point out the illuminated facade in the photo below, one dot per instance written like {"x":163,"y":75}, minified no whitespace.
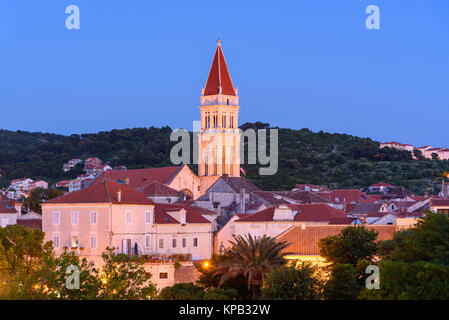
{"x":219,"y":138}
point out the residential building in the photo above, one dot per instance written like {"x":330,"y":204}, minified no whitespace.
{"x":275,"y":220}
{"x":381,"y":187}
{"x":397,"y":145}
{"x":304,"y":240}
{"x":111,"y":214}
{"x":9,"y":212}
{"x":21,"y":184}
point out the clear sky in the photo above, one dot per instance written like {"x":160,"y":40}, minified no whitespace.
{"x":296,"y":64}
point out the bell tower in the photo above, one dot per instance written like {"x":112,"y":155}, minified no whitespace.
{"x":219,"y":138}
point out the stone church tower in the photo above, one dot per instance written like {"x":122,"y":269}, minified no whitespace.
{"x":219,"y":138}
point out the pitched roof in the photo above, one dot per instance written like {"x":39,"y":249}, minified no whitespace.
{"x":269,"y":197}
{"x":382,"y":184}
{"x":219,"y":77}
{"x":341,"y":221}
{"x":304,"y":240}
{"x":141,"y":177}
{"x":7,"y":206}
{"x":306,"y":197}
{"x":365,"y":208}
{"x":400,"y":192}
{"x":162,"y":216}
{"x":440,"y":202}
{"x":350,"y":195}
{"x":157,"y":189}
{"x":104,"y":191}
{"x":305,"y":212}
{"x":318,"y":212}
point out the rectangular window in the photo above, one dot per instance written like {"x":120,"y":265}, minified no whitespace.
{"x":195,"y":242}
{"x":147,"y":217}
{"x":56,"y":217}
{"x":163,"y":275}
{"x":93,"y":242}
{"x":148,"y":241}
{"x":75,"y":241}
{"x":184,"y":243}
{"x":74,"y":217}
{"x":161,"y":243}
{"x":129,"y":217}
{"x":93,"y":217}
{"x":174,"y":243}
{"x":56,"y":242}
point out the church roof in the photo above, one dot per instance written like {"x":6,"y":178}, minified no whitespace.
{"x":219,"y":76}
{"x":157,"y":189}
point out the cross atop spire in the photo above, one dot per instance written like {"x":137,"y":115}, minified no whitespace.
{"x":219,"y":80}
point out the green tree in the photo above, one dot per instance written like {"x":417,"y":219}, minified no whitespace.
{"x":303,"y":282}
{"x":124,"y":278}
{"x":182,"y":291}
{"x":211,"y":275}
{"x":252,"y":257}
{"x":427,"y":241}
{"x":353,"y":244}
{"x":220,"y":294}
{"x":345,"y":281}
{"x":410,"y":281}
{"x":39,"y":195}
{"x":58,"y":271}
{"x":23,"y":260}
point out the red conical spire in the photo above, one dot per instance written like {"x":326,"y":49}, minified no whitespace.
{"x":219,"y":80}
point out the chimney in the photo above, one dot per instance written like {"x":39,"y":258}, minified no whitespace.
{"x":242,"y":200}
{"x":127,"y":180}
{"x":119,"y":195}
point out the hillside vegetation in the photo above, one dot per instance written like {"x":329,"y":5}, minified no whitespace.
{"x":336,"y":160}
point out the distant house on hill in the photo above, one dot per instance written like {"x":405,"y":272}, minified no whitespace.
{"x":397,"y":145}
{"x":380,"y":187}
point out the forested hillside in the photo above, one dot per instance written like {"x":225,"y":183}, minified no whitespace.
{"x":337,"y":160}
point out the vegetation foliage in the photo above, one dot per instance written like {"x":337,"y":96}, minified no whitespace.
{"x":336,"y":160}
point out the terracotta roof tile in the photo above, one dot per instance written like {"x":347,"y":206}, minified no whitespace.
{"x":304,"y":240}
{"x":305,"y":212}
{"x":439,"y":202}
{"x":141,"y":177}
{"x":157,"y":189}
{"x":193,"y":214}
{"x":104,"y":191}
{"x":219,"y":76}
{"x":7,"y":206}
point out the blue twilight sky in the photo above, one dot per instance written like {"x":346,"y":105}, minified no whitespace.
{"x":296,"y":63}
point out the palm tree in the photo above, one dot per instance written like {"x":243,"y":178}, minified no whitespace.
{"x":252,"y":257}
